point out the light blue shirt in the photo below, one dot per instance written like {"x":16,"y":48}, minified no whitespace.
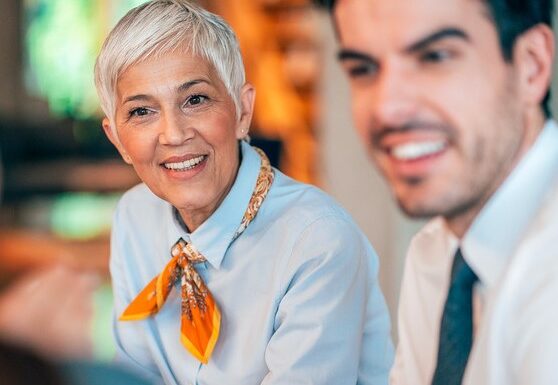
{"x":298,"y":290}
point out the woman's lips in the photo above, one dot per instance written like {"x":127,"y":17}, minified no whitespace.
{"x":184,"y":165}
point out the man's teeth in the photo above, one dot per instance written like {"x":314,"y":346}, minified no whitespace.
{"x":415,"y":150}
{"x":186,"y":165}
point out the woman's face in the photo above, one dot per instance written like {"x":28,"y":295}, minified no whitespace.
{"x":177,"y":125}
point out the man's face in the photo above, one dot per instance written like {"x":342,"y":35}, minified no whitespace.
{"x":433,"y":99}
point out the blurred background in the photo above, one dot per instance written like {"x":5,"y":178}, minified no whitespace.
{"x":62,"y":178}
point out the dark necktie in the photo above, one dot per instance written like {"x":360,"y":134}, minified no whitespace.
{"x":456,"y":330}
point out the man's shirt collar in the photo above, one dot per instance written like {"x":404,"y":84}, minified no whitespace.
{"x":500,"y":225}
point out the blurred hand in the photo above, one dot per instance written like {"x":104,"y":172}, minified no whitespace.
{"x":50,"y":311}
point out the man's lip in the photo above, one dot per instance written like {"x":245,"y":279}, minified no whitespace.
{"x":414,"y":159}
{"x":388,"y":137}
{"x":417,"y":168}
{"x":410,"y":151}
{"x":395,"y":140}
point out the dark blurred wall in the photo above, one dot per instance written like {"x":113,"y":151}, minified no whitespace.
{"x":15,"y":103}
{"x":10,"y":58}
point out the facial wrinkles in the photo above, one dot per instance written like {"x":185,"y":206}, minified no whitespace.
{"x":165,"y":86}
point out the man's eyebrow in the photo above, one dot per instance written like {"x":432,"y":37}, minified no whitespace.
{"x":445,"y":33}
{"x":437,"y":36}
{"x":349,"y":54}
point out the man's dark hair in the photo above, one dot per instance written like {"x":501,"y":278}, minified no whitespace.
{"x":511,"y":18}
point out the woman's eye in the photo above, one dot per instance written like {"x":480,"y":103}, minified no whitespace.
{"x":195,"y":100}
{"x":141,"y":111}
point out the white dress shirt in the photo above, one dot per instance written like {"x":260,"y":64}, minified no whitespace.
{"x":298,"y":290}
{"x":512,"y":246}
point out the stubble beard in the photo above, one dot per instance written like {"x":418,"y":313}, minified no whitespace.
{"x":486,"y":167}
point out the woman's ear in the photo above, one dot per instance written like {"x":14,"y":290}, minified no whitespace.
{"x":534,"y":56}
{"x":111,"y":135}
{"x":247,"y":96}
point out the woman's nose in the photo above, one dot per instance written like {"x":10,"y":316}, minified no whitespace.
{"x":175,"y":129}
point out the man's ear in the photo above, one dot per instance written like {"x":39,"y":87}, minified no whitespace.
{"x":111,"y":135}
{"x":534,"y":57}
{"x":247,"y":97}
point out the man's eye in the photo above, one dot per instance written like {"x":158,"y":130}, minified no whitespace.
{"x":195,"y":100}
{"x":356,"y":71}
{"x":141,"y":111}
{"x":436,"y":56}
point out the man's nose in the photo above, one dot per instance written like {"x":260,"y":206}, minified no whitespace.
{"x":393,"y":97}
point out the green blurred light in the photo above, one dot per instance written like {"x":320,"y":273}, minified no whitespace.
{"x":62,"y":40}
{"x":104,"y":348}
{"x":82,"y":215}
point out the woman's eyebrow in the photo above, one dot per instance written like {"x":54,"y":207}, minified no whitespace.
{"x":136,"y":98}
{"x":190,"y":83}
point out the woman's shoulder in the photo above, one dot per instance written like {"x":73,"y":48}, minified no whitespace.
{"x":310,"y":225}
{"x":303,"y":203}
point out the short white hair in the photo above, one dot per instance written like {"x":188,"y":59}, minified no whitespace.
{"x":159,"y":27}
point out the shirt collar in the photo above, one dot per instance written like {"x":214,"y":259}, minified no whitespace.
{"x":215,"y":235}
{"x":497,"y":230}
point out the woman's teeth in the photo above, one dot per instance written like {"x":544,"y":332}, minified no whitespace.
{"x":416,"y":150}
{"x":186,"y":165}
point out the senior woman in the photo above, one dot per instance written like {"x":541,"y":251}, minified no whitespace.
{"x":224,"y":270}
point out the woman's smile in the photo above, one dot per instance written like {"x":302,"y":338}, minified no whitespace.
{"x":185,"y":167}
